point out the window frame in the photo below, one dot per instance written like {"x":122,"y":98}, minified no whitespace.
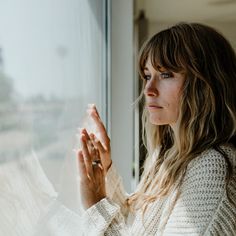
{"x":121,"y":89}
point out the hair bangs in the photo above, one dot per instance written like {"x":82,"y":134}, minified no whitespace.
{"x":163,"y":51}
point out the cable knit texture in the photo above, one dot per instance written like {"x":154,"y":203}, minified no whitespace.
{"x":200,"y":207}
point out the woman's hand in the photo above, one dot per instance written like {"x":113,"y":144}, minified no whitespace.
{"x":103,"y":145}
{"x":91,"y":171}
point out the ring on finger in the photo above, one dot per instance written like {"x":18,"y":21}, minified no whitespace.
{"x":96,"y":162}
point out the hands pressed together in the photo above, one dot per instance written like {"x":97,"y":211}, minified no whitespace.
{"x":94,"y":160}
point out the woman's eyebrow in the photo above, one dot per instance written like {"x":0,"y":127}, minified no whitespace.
{"x":161,"y":68}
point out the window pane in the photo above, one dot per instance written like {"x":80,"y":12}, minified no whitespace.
{"x":51,"y":67}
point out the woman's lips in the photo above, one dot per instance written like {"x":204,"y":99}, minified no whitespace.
{"x":152,"y":106}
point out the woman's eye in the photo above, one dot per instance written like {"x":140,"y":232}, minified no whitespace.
{"x":147,"y":77}
{"x":166,"y":75}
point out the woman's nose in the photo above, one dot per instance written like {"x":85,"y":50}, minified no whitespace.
{"x":151,"y":88}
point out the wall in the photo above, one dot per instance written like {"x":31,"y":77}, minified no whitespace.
{"x":227,"y":28}
{"x":122,"y":88}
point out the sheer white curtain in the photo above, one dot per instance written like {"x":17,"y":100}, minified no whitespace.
{"x":51,"y":67}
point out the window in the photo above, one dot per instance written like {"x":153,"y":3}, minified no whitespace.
{"x":55,"y":58}
{"x":53,"y":63}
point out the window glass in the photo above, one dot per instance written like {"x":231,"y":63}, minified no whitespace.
{"x":51,"y":66}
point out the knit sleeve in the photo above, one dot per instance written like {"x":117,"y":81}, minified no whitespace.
{"x":201,"y":194}
{"x":109,"y":215}
{"x":104,"y":218}
{"x":115,"y":190}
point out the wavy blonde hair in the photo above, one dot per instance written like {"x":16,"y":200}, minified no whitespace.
{"x":207,"y":115}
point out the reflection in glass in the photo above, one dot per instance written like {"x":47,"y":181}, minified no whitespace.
{"x":51,"y":67}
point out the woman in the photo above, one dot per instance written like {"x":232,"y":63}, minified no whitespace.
{"x":188,"y":186}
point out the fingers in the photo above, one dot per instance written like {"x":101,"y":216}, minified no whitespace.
{"x":101,"y":129}
{"x":93,"y":147}
{"x":90,"y":146}
{"x":92,"y":111}
{"x":87,"y":157}
{"x":84,"y":131}
{"x":97,"y":144}
{"x":81,"y":166}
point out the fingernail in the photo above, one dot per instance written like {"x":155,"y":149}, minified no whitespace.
{"x":91,"y":105}
{"x":83,"y":130}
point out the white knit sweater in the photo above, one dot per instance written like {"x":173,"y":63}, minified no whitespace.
{"x":202,"y":207}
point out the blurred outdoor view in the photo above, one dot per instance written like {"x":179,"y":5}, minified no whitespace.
{"x":51,"y":67}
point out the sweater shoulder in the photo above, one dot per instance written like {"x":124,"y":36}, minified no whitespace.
{"x":209,"y":161}
{"x":203,"y":205}
{"x":210,"y":167}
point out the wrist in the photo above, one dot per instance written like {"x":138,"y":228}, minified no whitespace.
{"x":93,"y":202}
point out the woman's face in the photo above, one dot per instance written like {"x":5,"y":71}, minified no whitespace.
{"x":162,"y":92}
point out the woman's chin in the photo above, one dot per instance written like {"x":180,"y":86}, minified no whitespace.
{"x":156,"y":121}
